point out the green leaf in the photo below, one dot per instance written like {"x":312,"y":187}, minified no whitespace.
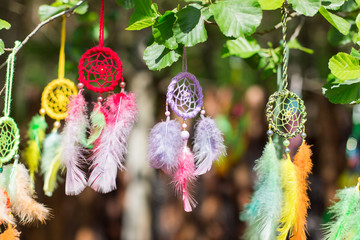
{"x":237,"y":17}
{"x":127,"y":4}
{"x":243,"y":47}
{"x":158,"y":56}
{"x":344,"y":66}
{"x":189,"y":28}
{"x":271,"y":4}
{"x":355,"y":53}
{"x":306,"y":7}
{"x":144,"y":15}
{"x":357,"y":2}
{"x":162,"y":30}
{"x":46,"y":11}
{"x":339,"y":23}
{"x":82,"y":9}
{"x":347,"y":92}
{"x":332,"y":4}
{"x":294,"y":44}
{"x":357,"y":22}
{"x":4,"y":24}
{"x":2,"y":46}
{"x":336,"y":38}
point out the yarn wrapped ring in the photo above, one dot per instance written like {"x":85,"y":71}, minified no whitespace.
{"x":184,"y":95}
{"x":100,"y":69}
{"x":55,"y":98}
{"x":9,"y":139}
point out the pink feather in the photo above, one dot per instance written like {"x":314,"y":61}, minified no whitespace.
{"x":184,"y":177}
{"x":111,"y":147}
{"x":74,"y":136}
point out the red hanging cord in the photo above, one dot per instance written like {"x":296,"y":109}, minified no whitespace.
{"x":101,"y":33}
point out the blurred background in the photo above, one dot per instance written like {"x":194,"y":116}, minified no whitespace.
{"x":144,"y":206}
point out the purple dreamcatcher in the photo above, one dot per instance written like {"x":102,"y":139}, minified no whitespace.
{"x":168,"y":146}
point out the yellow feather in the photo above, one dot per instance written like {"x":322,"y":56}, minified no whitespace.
{"x":290,"y":199}
{"x":32,"y":158}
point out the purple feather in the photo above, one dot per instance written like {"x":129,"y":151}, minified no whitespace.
{"x":208,"y":144}
{"x":165,"y":145}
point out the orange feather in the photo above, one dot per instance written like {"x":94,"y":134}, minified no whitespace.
{"x":302,"y":161}
{"x":11,"y":233}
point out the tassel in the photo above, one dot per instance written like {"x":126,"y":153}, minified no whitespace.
{"x":98,"y":123}
{"x":50,"y":161}
{"x":32,"y":151}
{"x":5,"y":212}
{"x":111,"y":146}
{"x":345,"y":219}
{"x":165,"y":145}
{"x":208,"y":144}
{"x":11,"y":233}
{"x":73,"y":138}
{"x":22,"y":203}
{"x":295,"y":202}
{"x":184,"y":177}
{"x":262,"y":214}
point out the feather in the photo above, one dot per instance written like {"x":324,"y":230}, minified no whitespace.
{"x":296,"y":201}
{"x":98,"y":123}
{"x":5,"y":214}
{"x":32,"y":152}
{"x":22,"y":203}
{"x":208,"y":144}
{"x":263,"y":212}
{"x":165,"y":145}
{"x":11,"y":233}
{"x":345,"y":215}
{"x":184,"y":177}
{"x":73,"y":138}
{"x":111,"y":147}
{"x":50,"y":161}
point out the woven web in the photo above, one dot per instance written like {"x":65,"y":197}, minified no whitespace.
{"x":56,"y":98}
{"x":185,"y":95}
{"x":286,"y":114}
{"x":9,"y":139}
{"x":100,"y":69}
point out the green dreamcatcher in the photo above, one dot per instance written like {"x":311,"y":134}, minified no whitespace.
{"x":9,"y":132}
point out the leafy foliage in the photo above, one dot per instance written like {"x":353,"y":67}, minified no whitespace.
{"x":47,"y":11}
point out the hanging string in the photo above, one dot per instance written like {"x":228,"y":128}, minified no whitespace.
{"x":9,"y":79}
{"x":285,"y":51}
{"x":184,"y":61}
{"x":101,"y":33}
{"x":61,"y":73}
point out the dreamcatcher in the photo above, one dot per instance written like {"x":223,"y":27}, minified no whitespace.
{"x":100,"y":70}
{"x":168,"y":148}
{"x":15,"y":194}
{"x":278,"y":208}
{"x":54,"y":100}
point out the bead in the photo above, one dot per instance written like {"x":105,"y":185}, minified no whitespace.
{"x":269,"y":132}
{"x":42,"y":111}
{"x":1,"y":169}
{"x":122,"y":84}
{"x":184,"y":125}
{"x":202,"y":112}
{"x":17,"y":156}
{"x":185,"y":135}
{"x":167,"y":113}
{"x":286,"y":143}
{"x":80,"y":85}
{"x":287,"y":150}
{"x":56,"y":124}
{"x":303,"y":135}
{"x":100,"y":99}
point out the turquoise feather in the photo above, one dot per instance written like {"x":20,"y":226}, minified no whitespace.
{"x":263,"y":212}
{"x":345,"y":216}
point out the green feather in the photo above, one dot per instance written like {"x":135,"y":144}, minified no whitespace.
{"x":263,"y":212}
{"x":345,"y":216}
{"x":97,"y":125}
{"x":51,"y":161}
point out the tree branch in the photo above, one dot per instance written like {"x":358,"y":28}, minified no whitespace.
{"x":70,"y":10}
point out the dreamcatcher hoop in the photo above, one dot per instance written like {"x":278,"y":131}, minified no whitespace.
{"x":184,"y":95}
{"x":55,"y":98}
{"x":9,"y":139}
{"x":285,"y":112}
